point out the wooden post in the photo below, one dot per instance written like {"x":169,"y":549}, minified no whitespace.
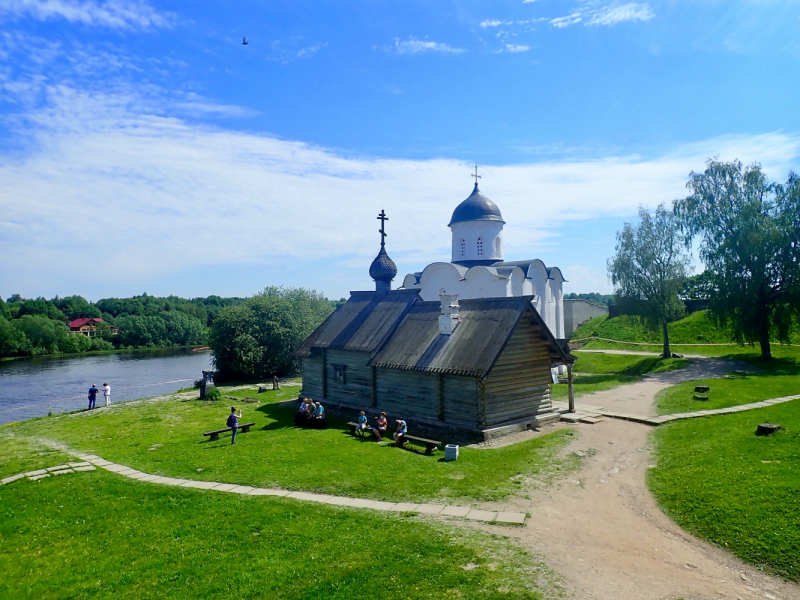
{"x":440,"y":396}
{"x":324,"y":374}
{"x":571,"y":389}
{"x":374,"y":385}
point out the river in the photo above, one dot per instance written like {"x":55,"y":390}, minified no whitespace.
{"x":31,"y":388}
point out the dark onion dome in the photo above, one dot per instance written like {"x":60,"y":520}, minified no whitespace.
{"x":383,"y":267}
{"x":476,"y":208}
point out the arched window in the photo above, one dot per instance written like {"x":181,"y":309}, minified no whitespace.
{"x":497,"y":250}
{"x":480,"y":246}
{"x":463,"y":248}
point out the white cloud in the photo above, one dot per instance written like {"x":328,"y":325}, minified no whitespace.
{"x":414,"y":46}
{"x":162,"y":197}
{"x":495,"y":23}
{"x":117,"y":14}
{"x":569,"y":20}
{"x":517,"y":48}
{"x":612,"y":15}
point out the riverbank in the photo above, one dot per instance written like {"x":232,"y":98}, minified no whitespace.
{"x":100,"y":353}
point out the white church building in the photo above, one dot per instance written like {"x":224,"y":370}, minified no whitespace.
{"x":477,"y":269}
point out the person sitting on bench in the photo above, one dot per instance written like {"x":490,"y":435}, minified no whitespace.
{"x":383,"y":426}
{"x":319,"y":412}
{"x":402,"y":429}
{"x":362,"y":422}
{"x":302,"y":416}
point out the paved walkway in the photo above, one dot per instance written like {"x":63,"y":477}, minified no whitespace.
{"x":588,"y":413}
{"x":91,"y":462}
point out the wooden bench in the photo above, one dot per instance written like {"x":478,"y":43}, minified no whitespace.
{"x":242,"y":429}
{"x":430,"y":445}
{"x":354,"y":427}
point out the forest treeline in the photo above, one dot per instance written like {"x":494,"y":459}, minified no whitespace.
{"x":36,"y":327}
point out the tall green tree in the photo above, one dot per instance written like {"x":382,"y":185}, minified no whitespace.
{"x":257,"y":338}
{"x":649,"y":268}
{"x":749,"y":230}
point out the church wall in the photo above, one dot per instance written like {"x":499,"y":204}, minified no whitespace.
{"x":460,"y":401}
{"x":312,"y":376}
{"x":518,"y":385}
{"x":357,"y":387}
{"x":412,"y":394}
{"x":490,"y":234}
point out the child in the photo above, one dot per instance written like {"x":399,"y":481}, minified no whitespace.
{"x":362,"y":422}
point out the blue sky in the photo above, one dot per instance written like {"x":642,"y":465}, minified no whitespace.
{"x":144,"y":148}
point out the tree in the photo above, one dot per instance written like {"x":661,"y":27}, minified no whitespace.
{"x":12,"y":341}
{"x":257,"y":339}
{"x":43,"y":334}
{"x":749,"y":231}
{"x":649,"y":268}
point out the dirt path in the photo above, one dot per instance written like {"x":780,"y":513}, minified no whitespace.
{"x":603,"y":530}
{"x":602,"y":527}
{"x":639,"y":398}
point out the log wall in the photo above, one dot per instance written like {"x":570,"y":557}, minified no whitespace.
{"x":312,"y":376}
{"x":518,"y":385}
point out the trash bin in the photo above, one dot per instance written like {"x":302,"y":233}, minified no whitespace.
{"x":451,"y":452}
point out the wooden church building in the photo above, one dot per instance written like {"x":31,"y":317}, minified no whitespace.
{"x":477,"y":368}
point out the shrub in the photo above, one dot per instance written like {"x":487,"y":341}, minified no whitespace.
{"x":213,"y":394}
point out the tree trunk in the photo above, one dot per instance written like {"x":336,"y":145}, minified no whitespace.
{"x":667,"y":352}
{"x":763,"y":335}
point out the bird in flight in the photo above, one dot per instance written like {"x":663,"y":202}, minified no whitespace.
{"x":244,"y":41}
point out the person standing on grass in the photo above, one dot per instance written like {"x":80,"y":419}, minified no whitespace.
{"x":92,"y":396}
{"x":233,"y":423}
{"x":107,"y":393}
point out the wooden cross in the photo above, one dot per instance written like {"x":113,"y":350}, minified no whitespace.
{"x":475,"y":175}
{"x":383,"y":218}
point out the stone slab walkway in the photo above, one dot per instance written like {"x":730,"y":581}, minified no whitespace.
{"x":586,"y":413}
{"x":91,"y":462}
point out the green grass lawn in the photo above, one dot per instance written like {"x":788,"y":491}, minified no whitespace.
{"x":732,"y":391}
{"x":600,"y":372}
{"x":721,"y":482}
{"x":165,"y":438}
{"x":99,"y":535}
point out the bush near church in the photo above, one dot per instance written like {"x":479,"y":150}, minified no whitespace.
{"x":257,"y":339}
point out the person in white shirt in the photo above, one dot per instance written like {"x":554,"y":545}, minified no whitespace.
{"x":107,"y":393}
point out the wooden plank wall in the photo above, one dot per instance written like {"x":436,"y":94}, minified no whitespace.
{"x":312,"y":376}
{"x":356,"y":390}
{"x":519,"y":383}
{"x":461,"y":401}
{"x":412,"y":394}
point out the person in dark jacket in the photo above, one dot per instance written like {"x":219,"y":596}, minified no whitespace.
{"x":233,"y":423}
{"x":92,"y":396}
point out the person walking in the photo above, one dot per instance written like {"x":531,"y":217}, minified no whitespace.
{"x":233,"y":423}
{"x":107,"y":393}
{"x":92,"y":396}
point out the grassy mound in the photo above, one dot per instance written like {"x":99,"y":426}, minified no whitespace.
{"x":697,"y":328}
{"x":165,"y":438}
{"x":98,"y":535}
{"x":721,"y":482}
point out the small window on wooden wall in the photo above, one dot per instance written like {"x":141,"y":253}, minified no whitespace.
{"x":339,"y":373}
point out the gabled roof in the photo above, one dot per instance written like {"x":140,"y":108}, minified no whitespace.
{"x":485,"y":327}
{"x":361,"y":323}
{"x":81,"y":322}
